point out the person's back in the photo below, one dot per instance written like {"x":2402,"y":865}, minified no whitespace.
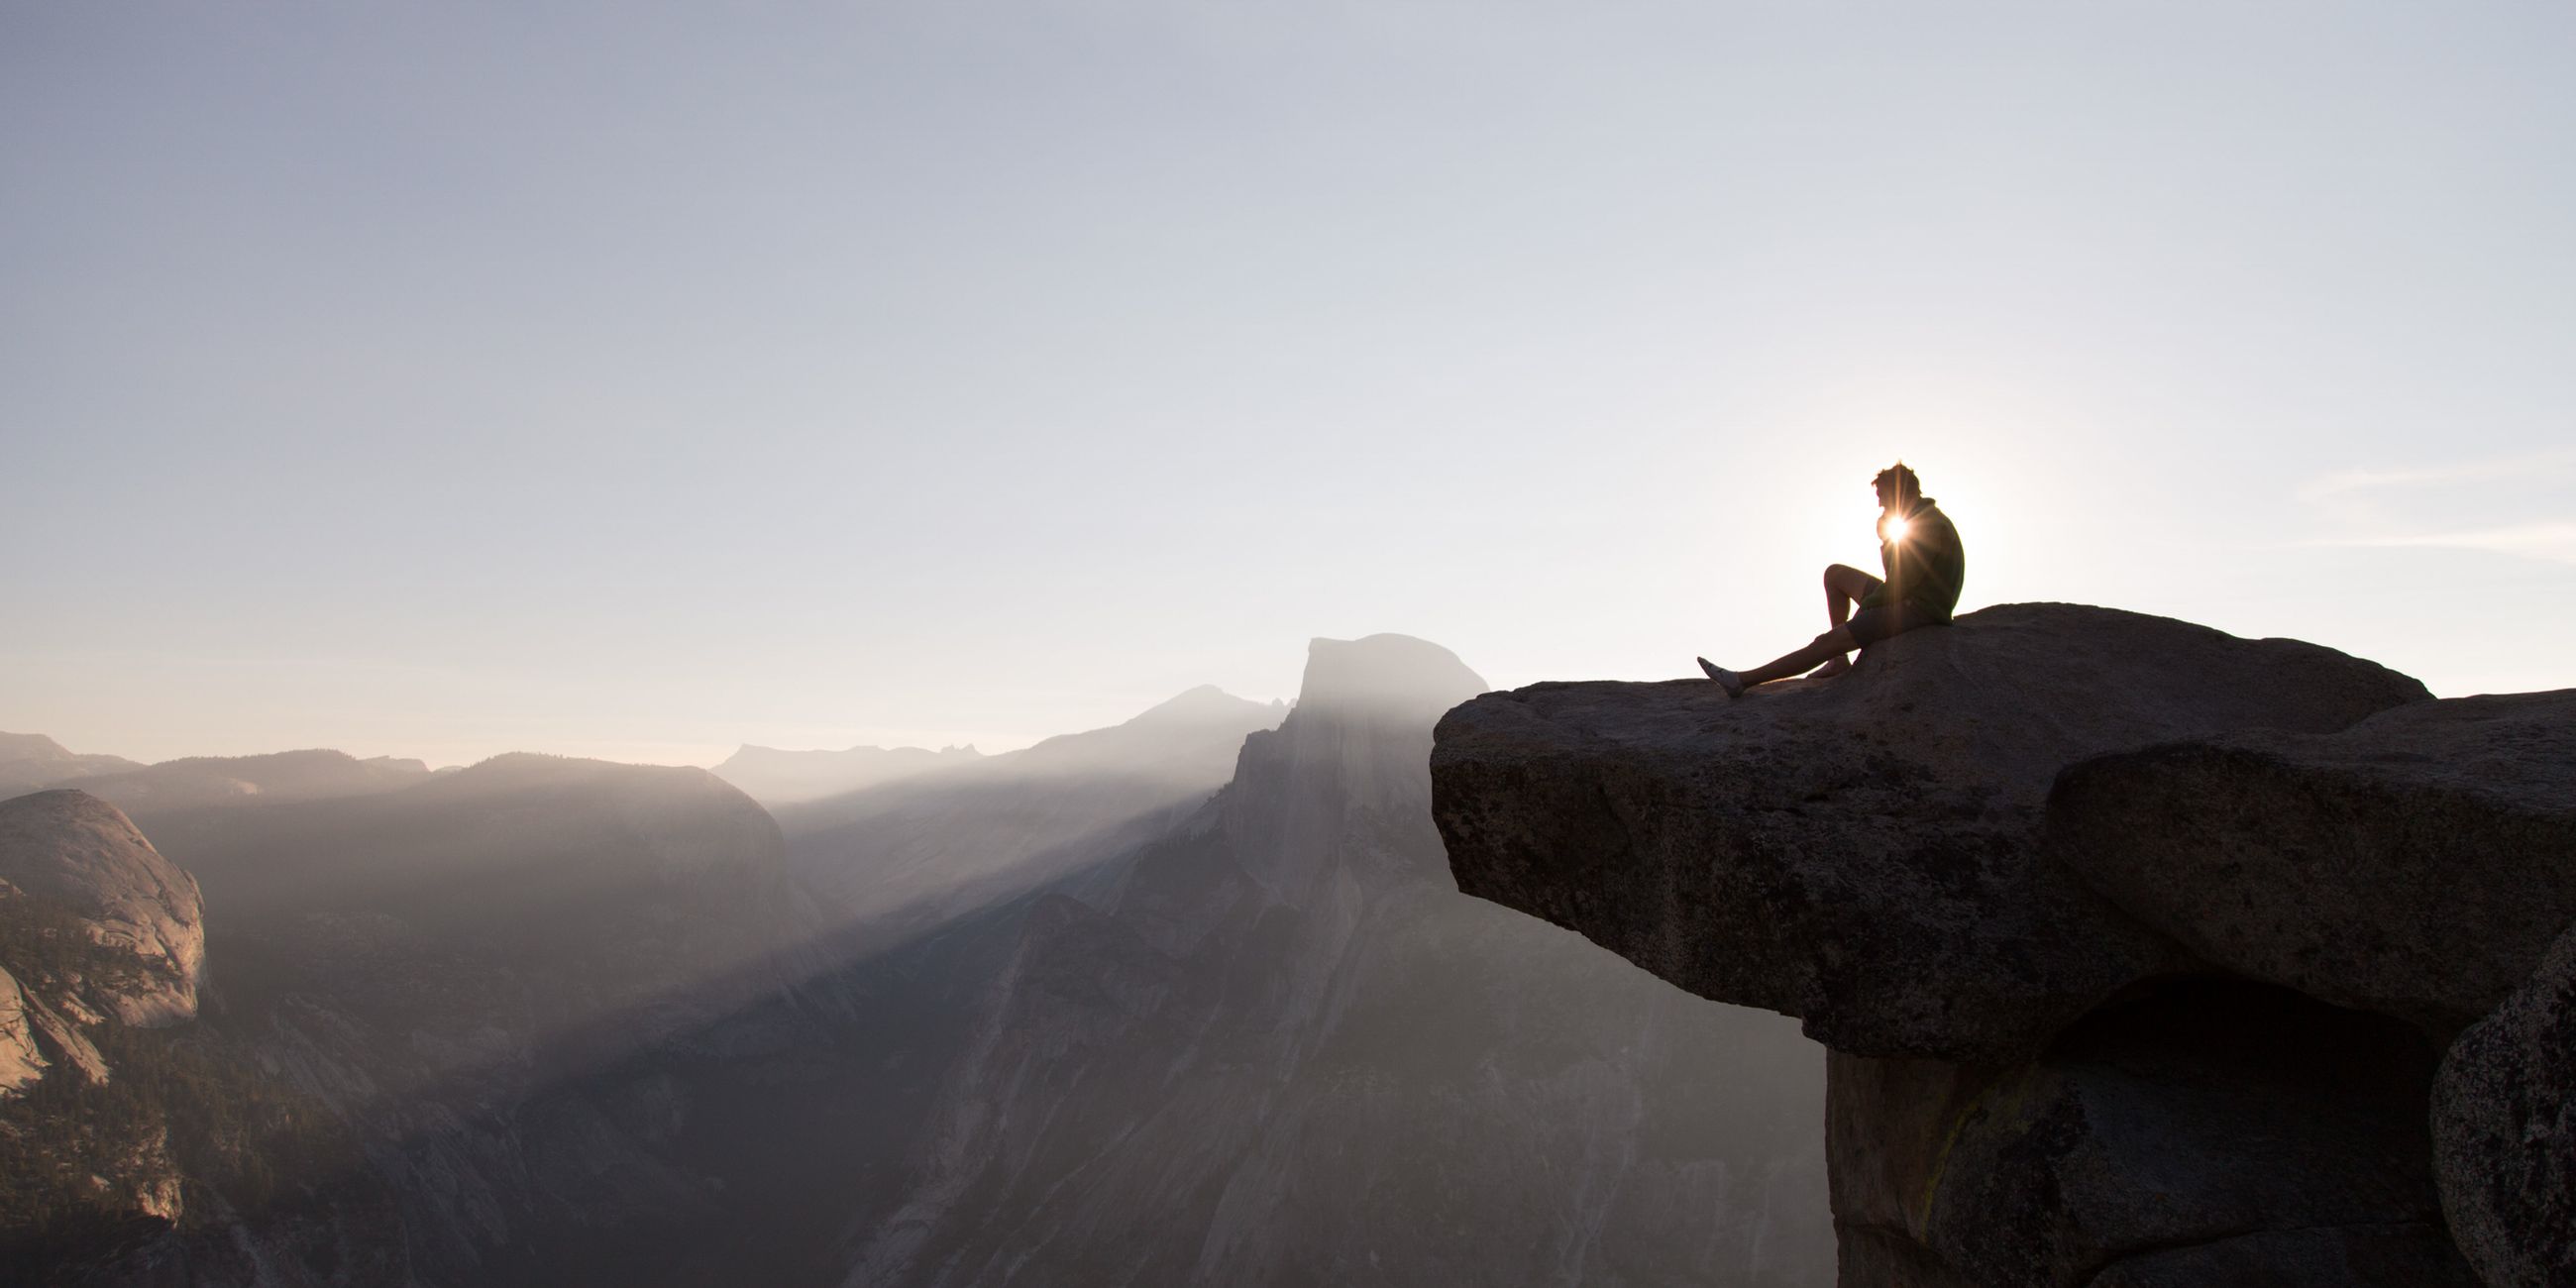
{"x":1925,"y":562}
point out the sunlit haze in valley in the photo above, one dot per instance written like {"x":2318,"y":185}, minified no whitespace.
{"x":439,"y":381}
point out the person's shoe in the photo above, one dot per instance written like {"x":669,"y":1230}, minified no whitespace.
{"x":1726,"y":679}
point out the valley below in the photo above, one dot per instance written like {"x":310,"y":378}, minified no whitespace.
{"x":1192,"y":999}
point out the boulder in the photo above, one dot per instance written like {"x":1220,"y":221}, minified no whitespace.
{"x":1864,"y":852}
{"x":2200,"y":1132}
{"x":2504,"y":1131}
{"x":2417,"y":864}
{"x":79,"y":854}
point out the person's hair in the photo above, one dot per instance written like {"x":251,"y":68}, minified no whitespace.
{"x":1908,"y":487}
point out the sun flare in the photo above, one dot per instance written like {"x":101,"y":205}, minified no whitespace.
{"x":1891,"y":529}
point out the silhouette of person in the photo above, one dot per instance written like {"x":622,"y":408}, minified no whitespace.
{"x":1925,"y":565}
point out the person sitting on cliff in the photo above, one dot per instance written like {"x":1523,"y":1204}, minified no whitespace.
{"x":1925,"y":565}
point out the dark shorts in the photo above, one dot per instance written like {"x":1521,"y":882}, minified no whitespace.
{"x":1879,"y":621}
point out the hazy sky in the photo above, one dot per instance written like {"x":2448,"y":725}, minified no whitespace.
{"x":438,"y":379}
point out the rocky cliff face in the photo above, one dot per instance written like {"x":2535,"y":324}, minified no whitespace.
{"x":1278,"y":1047}
{"x":2504,"y":1125}
{"x":461,"y":1033}
{"x":22,"y":1061}
{"x":2137,"y":944}
{"x":122,"y":1104}
{"x":78,"y":853}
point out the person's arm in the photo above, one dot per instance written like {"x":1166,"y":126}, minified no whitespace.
{"x":1936,"y":564}
{"x":1890,"y":560}
{"x":1896,"y":559}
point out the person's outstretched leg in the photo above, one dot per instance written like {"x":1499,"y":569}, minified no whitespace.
{"x":1833,"y":643}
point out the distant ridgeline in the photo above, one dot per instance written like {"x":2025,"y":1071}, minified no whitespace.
{"x":1188,"y":1000}
{"x":362,"y":1054}
{"x":2146,"y":955}
{"x":772,"y":776}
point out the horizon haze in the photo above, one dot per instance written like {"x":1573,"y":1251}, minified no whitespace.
{"x":609,"y":381}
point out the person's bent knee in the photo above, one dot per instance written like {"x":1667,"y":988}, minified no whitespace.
{"x":1849,"y":582}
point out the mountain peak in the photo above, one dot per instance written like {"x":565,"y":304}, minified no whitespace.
{"x":1386,"y":670}
{"x":70,"y":806}
{"x":1199,"y":706}
{"x":32,"y":760}
{"x":31,"y":746}
{"x":83,"y":854}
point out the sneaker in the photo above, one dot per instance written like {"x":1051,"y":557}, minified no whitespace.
{"x":1726,"y":679}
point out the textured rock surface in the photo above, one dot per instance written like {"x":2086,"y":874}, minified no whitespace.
{"x":2194,"y":1131}
{"x":2418,"y":863}
{"x":2405,"y":1255}
{"x":2136,"y":943}
{"x":62,"y":1037}
{"x":80,"y":853}
{"x":21,"y":1064}
{"x":2504,"y":1125}
{"x":1864,"y":852}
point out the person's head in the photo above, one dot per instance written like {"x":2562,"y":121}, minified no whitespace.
{"x":1898,"y":489}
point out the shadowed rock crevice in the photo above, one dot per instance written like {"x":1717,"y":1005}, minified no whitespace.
{"x":2199,"y":1111}
{"x":2402,"y":1254}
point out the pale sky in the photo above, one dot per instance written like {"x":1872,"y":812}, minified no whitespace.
{"x":637,"y":381}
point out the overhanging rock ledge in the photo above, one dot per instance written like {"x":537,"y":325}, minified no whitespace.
{"x":1865,"y":852}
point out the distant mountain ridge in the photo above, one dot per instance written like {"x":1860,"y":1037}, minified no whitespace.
{"x":426,"y":999}
{"x":901,"y":857}
{"x":32,"y":746}
{"x":32,"y":760}
{"x":192,"y":781}
{"x":1277,"y":1046}
{"x":1186,"y":1000}
{"x":775,"y":776}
